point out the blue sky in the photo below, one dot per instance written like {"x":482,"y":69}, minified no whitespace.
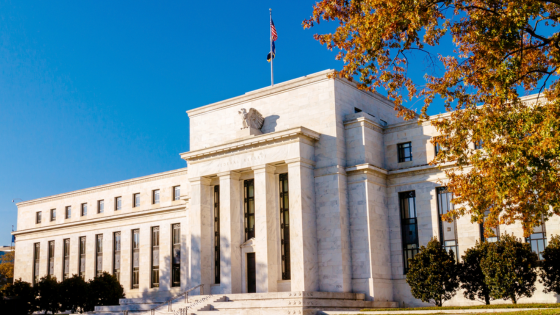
{"x":93,"y":92}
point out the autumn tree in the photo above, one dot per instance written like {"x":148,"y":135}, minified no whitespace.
{"x":503,"y":49}
{"x":6,"y":268}
{"x":473,"y":280}
{"x":550,"y":271}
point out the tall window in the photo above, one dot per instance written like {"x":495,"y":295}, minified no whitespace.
{"x":496,"y":230}
{"x":136,"y":200}
{"x":176,"y":255}
{"x":478,"y":145}
{"x":176,"y":192}
{"x":36,"y":261}
{"x":100,"y":206}
{"x":538,"y":239}
{"x":437,"y":148}
{"x":447,"y":230}
{"x":404,"y":152}
{"x":66,"y":258}
{"x":117,"y":255}
{"x":135,"y":258}
{"x":285,"y":227}
{"x":53,"y":214}
{"x":51,"y":259}
{"x":216,"y":234}
{"x":409,"y":226}
{"x":249,"y":209}
{"x":38,"y":217}
{"x":118,"y":203}
{"x":98,"y":255}
{"x":155,"y":256}
{"x":155,"y":196}
{"x":82,"y":265}
{"x":68,"y":212}
{"x":84,"y":209}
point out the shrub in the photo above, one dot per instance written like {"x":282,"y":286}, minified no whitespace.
{"x":73,"y":292}
{"x":20,"y":298}
{"x":471,"y":276}
{"x":509,"y":268}
{"x":103,"y":290}
{"x":432,"y":275}
{"x":47,"y":295}
{"x":550,"y":271}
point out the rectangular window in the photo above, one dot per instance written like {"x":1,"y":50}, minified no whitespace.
{"x":82,"y":263}
{"x":538,"y":239}
{"x":68,"y":212}
{"x":495,"y":231}
{"x":118,"y":203}
{"x":53,"y":214}
{"x":409,"y":226}
{"x":478,"y":144}
{"x":176,"y":255}
{"x":285,"y":227}
{"x":155,"y":256}
{"x":100,"y":206}
{"x":98,"y":255}
{"x":447,"y":230}
{"x":404,"y":152}
{"x":38,"y":217}
{"x":155,"y":196}
{"x":176,"y":192}
{"x":217,"y":234}
{"x":36,"y":262}
{"x":50,"y":267}
{"x":117,"y":255}
{"x":135,"y":258}
{"x":84,"y":209}
{"x":249,"y":208}
{"x":66,"y":258}
{"x":136,"y":200}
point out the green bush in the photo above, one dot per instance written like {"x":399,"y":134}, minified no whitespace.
{"x":19,"y":298}
{"x":471,"y":276}
{"x":550,"y":271}
{"x":103,"y":290}
{"x":47,"y":295}
{"x":73,"y":292}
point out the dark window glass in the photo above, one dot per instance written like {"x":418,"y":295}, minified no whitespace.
{"x":437,"y":148}
{"x":66,"y":257}
{"x":117,"y":255}
{"x":82,"y":262}
{"x":84,"y":209}
{"x":136,"y":200}
{"x":155,"y":256}
{"x":36,"y":262}
{"x":538,"y":239}
{"x":478,"y":144}
{"x":53,"y":214}
{"x":495,"y":231}
{"x":409,"y":226}
{"x":176,"y":255}
{"x":249,"y":209}
{"x":447,"y":230}
{"x":155,"y":196}
{"x":68,"y":213}
{"x":135,"y":258}
{"x":216,"y":234}
{"x":176,"y":192}
{"x":98,"y":255}
{"x":50,"y":267}
{"x":404,"y":152}
{"x":38,"y":217}
{"x":100,"y":206}
{"x":118,"y":203}
{"x":285,"y":227}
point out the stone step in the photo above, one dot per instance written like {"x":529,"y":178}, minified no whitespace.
{"x":130,"y":307}
{"x":302,"y":302}
{"x":296,"y":294}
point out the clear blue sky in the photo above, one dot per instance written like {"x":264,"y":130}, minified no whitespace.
{"x":93,"y":92}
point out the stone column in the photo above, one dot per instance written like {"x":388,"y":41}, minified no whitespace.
{"x":303,"y":231}
{"x":200,"y":231}
{"x":266,"y":229}
{"x":230,"y":233}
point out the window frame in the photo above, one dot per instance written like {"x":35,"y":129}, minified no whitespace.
{"x":216,"y":234}
{"x":440,"y":191}
{"x":117,"y":248}
{"x":155,"y":244}
{"x":36,"y":262}
{"x":118,"y":203}
{"x":175,"y":248}
{"x":67,"y":212}
{"x":155,"y":193}
{"x":83,"y":209}
{"x":412,"y":251}
{"x":401,"y":152}
{"x":247,"y":201}
{"x":134,"y":203}
{"x":98,"y":255}
{"x":50,"y":258}
{"x":135,"y":274}
{"x":543,"y":237}
{"x":38,"y":217}
{"x":491,"y":239}
{"x":176,"y":192}
{"x":53,"y":215}
{"x":82,"y":251}
{"x":284,"y":226}
{"x":65,"y":258}
{"x":100,"y":206}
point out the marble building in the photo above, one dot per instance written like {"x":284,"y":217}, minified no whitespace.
{"x":310,"y":185}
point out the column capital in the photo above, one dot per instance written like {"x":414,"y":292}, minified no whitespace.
{"x":266,"y":168}
{"x":231,"y":174}
{"x":300,"y":160}
{"x":200,"y":180}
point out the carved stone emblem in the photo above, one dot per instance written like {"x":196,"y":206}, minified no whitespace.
{"x":251,"y":119}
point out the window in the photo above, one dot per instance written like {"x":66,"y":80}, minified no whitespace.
{"x":98,"y":255}
{"x":217,"y":234}
{"x":409,"y":226}
{"x":447,"y":231}
{"x":478,"y":144}
{"x":135,"y":258}
{"x":53,"y":214}
{"x":117,"y":255}
{"x":83,"y":209}
{"x":176,"y":192}
{"x":100,"y":206}
{"x":538,"y":239}
{"x":118,"y":203}
{"x":155,"y":196}
{"x":36,"y":262}
{"x":285,"y":227}
{"x":50,"y":261}
{"x":68,"y":212}
{"x":38,"y":217}
{"x":176,"y":255}
{"x":82,"y":263}
{"x":404,"y":152}
{"x":66,"y":258}
{"x":437,"y":148}
{"x":357,"y":110}
{"x":136,"y":200}
{"x":495,"y":231}
{"x":155,"y":256}
{"x":249,"y":209}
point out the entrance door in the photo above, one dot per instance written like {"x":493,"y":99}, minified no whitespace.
{"x":251,"y":273}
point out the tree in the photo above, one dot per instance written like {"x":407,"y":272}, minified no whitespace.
{"x":502,"y":50}
{"x":471,"y":276}
{"x":550,"y":271}
{"x":20,"y":298}
{"x":103,"y":290}
{"x":432,"y":275}
{"x":47,"y":294}
{"x":509,"y":268}
{"x":73,"y":294}
{"x":6,"y":268}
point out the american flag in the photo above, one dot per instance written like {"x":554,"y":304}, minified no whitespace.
{"x":273,"y":31}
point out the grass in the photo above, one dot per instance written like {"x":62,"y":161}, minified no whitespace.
{"x":532,"y":312}
{"x":428,"y":308}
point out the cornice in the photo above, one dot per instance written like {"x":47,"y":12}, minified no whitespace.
{"x":357,"y":120}
{"x":138,"y":180}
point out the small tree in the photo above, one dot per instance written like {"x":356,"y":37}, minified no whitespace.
{"x":20,"y":298}
{"x":550,"y":271}
{"x":432,"y":275}
{"x":73,"y":294}
{"x":47,"y":295}
{"x":103,"y":290}
{"x":509,"y":267}
{"x":471,"y":276}
{"x":6,"y":269}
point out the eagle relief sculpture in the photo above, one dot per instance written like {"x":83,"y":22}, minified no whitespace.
{"x":252,"y":119}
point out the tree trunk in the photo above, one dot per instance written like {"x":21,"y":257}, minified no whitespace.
{"x":487,"y":299}
{"x":513,"y":299}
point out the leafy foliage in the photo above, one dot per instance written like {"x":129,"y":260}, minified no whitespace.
{"x":73,"y":294}
{"x":509,"y":267}
{"x":503,"y":48}
{"x":6,"y":268}
{"x":550,"y":271}
{"x":47,"y":294}
{"x":103,"y":290}
{"x":432,"y":275}
{"x":20,"y":298}
{"x":471,"y":276}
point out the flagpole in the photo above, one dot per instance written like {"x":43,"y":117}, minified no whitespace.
{"x":271,"y":52}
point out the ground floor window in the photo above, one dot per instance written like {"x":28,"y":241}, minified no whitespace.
{"x":285,"y":226}
{"x":409,"y":226}
{"x":176,"y":255}
{"x":538,"y":239}
{"x":448,"y":230}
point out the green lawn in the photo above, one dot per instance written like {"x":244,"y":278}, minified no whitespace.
{"x":533,"y":312}
{"x":534,"y":305}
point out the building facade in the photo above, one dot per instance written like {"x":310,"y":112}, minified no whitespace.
{"x":308,"y":185}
